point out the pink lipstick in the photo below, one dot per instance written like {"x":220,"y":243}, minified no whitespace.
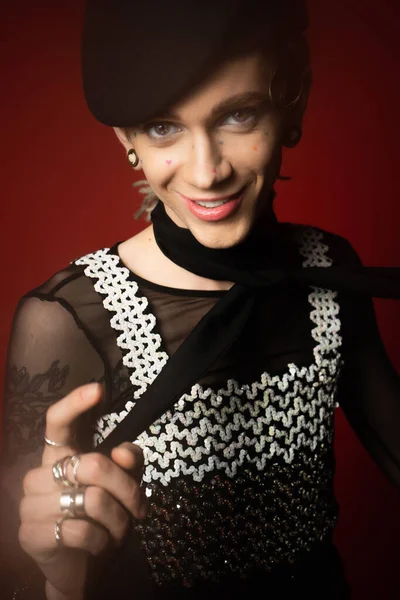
{"x":214,"y":209}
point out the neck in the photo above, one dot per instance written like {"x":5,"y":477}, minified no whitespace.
{"x":141,"y":255}
{"x":258,"y":250}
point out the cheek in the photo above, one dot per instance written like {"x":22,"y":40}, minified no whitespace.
{"x":158,"y":169}
{"x":255,"y":154}
{"x":265,"y":149}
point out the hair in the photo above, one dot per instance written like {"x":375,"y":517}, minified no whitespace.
{"x":285,"y":60}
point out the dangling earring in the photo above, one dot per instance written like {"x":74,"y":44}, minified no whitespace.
{"x":133,"y":158}
{"x":293,"y":137}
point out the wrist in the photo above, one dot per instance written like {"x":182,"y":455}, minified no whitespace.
{"x":53,"y":594}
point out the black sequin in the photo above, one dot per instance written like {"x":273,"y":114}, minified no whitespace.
{"x":222,"y":526}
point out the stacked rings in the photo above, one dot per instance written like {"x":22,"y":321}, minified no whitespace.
{"x":60,"y":472}
{"x":72,"y":501}
{"x":75,"y":462}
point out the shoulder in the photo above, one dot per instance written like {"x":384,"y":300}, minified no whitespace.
{"x":61,"y":304}
{"x":67,"y":278}
{"x":61,"y":296}
{"x":339,"y":248}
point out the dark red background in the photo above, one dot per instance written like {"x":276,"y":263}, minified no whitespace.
{"x":66,"y":190}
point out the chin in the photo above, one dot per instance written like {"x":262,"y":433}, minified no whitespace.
{"x":221,"y":235}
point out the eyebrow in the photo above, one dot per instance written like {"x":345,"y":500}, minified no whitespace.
{"x":223,"y":106}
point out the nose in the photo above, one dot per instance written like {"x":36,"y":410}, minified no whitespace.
{"x":206,"y":166}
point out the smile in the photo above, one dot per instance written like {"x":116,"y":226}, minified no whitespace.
{"x":215,"y":209}
{"x":218,"y":199}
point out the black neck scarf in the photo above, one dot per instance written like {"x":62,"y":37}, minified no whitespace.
{"x":261,"y":262}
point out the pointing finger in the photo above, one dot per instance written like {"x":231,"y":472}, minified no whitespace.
{"x":61,"y":417}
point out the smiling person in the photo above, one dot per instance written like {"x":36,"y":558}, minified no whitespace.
{"x":213,"y":161}
{"x":223,"y":339}
{"x":213,"y":156}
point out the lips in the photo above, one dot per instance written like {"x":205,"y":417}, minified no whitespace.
{"x":226,"y":206}
{"x":216,"y":199}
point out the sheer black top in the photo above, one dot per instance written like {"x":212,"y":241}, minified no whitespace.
{"x":240,"y":471}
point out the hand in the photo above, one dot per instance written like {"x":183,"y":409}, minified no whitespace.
{"x":113,"y":495}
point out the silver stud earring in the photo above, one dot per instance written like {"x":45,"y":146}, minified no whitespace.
{"x":133,"y":158}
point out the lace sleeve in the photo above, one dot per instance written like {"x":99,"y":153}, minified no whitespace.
{"x":49,"y":355}
{"x":369,"y":386}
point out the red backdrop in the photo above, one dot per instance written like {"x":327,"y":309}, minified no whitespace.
{"x":66,"y":189}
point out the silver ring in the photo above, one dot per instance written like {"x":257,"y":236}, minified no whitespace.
{"x":75,"y":462}
{"x":65,"y":462}
{"x":50,"y":442}
{"x":72,"y":504}
{"x":57,"y":532}
{"x":59,"y":472}
{"x":80,"y":503}
{"x":67,"y":504}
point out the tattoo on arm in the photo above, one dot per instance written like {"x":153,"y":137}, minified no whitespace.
{"x":27,"y":399}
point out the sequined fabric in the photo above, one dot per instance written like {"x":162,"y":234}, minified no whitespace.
{"x":239,"y":478}
{"x":224,"y":526}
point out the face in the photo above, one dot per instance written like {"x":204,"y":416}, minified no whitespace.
{"x":213,"y":157}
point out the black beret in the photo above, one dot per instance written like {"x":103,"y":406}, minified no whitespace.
{"x":141,"y":56}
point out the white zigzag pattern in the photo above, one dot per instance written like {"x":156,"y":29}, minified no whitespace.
{"x":300,"y":418}
{"x":142,"y":356}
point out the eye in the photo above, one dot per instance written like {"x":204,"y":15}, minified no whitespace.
{"x":244,"y":116}
{"x":161,"y":130}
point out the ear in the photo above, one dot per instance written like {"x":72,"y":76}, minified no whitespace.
{"x":293,"y":138}
{"x":292,"y":130}
{"x":292,"y":135}
{"x":122,"y":136}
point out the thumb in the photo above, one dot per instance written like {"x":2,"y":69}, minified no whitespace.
{"x":129,"y":456}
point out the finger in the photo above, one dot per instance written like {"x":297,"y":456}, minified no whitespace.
{"x":95,"y":469}
{"x":38,"y":539}
{"x":130,"y":457}
{"x":40,"y":481}
{"x":62,"y":415}
{"x":39,"y":508}
{"x":99,"y":505}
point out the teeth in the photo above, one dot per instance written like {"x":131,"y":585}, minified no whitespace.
{"x":213,"y":204}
